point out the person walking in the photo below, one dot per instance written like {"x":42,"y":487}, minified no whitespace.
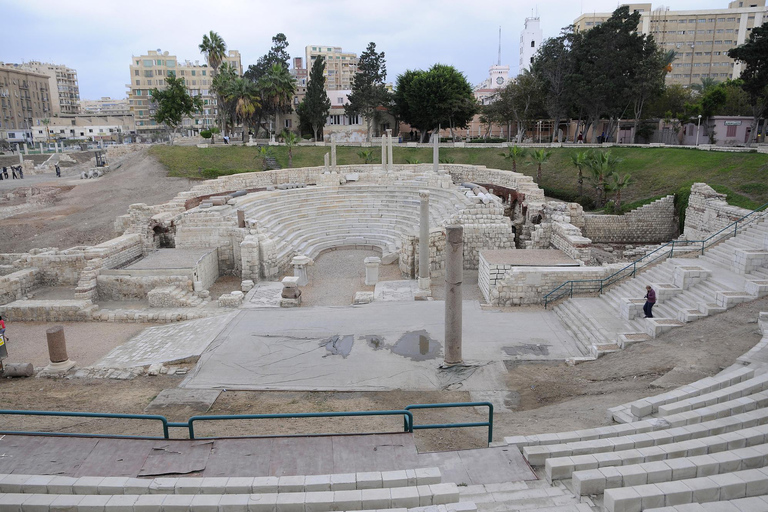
{"x":13,"y":172}
{"x":58,"y":171}
{"x":650,"y":300}
{"x":2,"y":326}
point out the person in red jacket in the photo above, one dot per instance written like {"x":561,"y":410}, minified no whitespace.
{"x":650,"y":300}
{"x":2,"y":325}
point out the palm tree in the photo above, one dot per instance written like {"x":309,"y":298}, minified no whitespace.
{"x":366,"y":155}
{"x":277,"y":89}
{"x":214,"y":49}
{"x":706,"y":84}
{"x":291,"y":139}
{"x":539,"y":157}
{"x":515,"y":153}
{"x":245,"y":98}
{"x":219,"y":84}
{"x":619,"y":184}
{"x":579,"y":160}
{"x":603,"y":165}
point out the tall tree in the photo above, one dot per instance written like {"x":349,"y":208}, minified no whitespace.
{"x":540,"y":157}
{"x":754,"y":54}
{"x":219,"y":85}
{"x":602,"y":164}
{"x":291,"y":140}
{"x":214,"y":49}
{"x":368,"y":89}
{"x":521,"y":101}
{"x":515,"y":154}
{"x":277,"y":54}
{"x":277,"y":89}
{"x":441,"y":96}
{"x":242,"y":93}
{"x":313,"y":110}
{"x":579,"y":160}
{"x":173,"y":104}
{"x":649,"y":80}
{"x":553,"y":65}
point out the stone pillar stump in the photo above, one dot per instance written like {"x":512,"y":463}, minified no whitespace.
{"x":372,"y":270}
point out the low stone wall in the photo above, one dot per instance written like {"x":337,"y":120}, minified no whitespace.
{"x":206,"y":270}
{"x":651,"y":223}
{"x":135,"y":285}
{"x":17,"y":285}
{"x":409,"y":254}
{"x":48,"y":311}
{"x":708,"y":213}
{"x":567,"y":238}
{"x":209,"y":228}
{"x":527,"y":285}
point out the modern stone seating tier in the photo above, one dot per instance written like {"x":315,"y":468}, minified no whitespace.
{"x":405,"y":489}
{"x":752,"y":504}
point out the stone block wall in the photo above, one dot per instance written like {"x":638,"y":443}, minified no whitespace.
{"x":485,"y":227}
{"x":489,"y":275}
{"x":527,"y":285}
{"x":16,"y":285}
{"x":135,"y":285}
{"x":207,"y":269}
{"x":250,"y":261}
{"x":409,"y":254}
{"x":567,"y":238}
{"x":210,"y":228}
{"x":708,"y":213}
{"x":651,"y":223}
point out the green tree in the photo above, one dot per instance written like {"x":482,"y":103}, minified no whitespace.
{"x":704,"y":85}
{"x":245,"y":98}
{"x":579,"y":160}
{"x":277,"y":89}
{"x":214,"y":49}
{"x":219,"y":84}
{"x":755,"y":74}
{"x":540,"y":157}
{"x":368,"y":89}
{"x":291,"y":140}
{"x":313,"y":110}
{"x":602,"y":165}
{"x":214,"y":130}
{"x":515,"y":154}
{"x":618,"y":184}
{"x":441,"y":96}
{"x":552,"y":66}
{"x":277,"y":54}
{"x":173,"y":104}
{"x":649,"y":80}
{"x":520,"y":101}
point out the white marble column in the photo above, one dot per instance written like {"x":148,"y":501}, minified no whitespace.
{"x":372,"y":270}
{"x":424,"y":280}
{"x":435,"y":150}
{"x":300,"y":263}
{"x":384,"y":152}
{"x":389,"y":150}
{"x":325,"y":161}
{"x":454,"y":271}
{"x":333,"y":153}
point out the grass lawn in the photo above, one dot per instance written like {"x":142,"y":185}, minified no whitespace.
{"x":655,"y":171}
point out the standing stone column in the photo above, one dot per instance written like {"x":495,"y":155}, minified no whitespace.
{"x":26,"y":149}
{"x":372,"y":270}
{"x":435,"y":150}
{"x":325,"y":161}
{"x":240,"y":218}
{"x":389,"y":150}
{"x":424,"y":280}
{"x":384,"y":152}
{"x":21,"y":158}
{"x":333,"y":153}
{"x":57,"y":350}
{"x":300,"y":263}
{"x":454,"y":272}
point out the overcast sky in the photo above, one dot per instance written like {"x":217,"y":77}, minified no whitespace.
{"x":98,"y":38}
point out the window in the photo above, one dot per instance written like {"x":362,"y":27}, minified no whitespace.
{"x":335,"y":119}
{"x":90,"y":130}
{"x":147,"y":63}
{"x":533,"y":44}
{"x":203,"y":72}
{"x":159,"y":62}
{"x":289,"y":123}
{"x":710,"y":20}
{"x":340,"y":100}
{"x":138,"y":82}
{"x":353,"y":119}
{"x":135,"y":72}
{"x":171,"y":72}
{"x":193,"y":72}
{"x":170,"y":63}
{"x":730,"y":131}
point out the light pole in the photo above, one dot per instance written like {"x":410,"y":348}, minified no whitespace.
{"x":539,"y":132}
{"x":697,"y":130}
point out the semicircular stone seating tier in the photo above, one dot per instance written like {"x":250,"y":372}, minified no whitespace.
{"x":312,"y":220}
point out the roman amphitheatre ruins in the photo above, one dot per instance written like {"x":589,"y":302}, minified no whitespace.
{"x":195,"y":312}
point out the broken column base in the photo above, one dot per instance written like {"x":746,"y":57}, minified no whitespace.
{"x":57,"y":368}
{"x":290,"y":303}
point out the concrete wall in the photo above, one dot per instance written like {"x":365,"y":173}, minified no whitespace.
{"x":651,"y":223}
{"x":708,"y":213}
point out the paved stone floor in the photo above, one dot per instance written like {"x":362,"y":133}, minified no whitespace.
{"x":375,"y":347}
{"x":166,"y":343}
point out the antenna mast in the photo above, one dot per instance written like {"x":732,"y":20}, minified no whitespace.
{"x":499,"y":62}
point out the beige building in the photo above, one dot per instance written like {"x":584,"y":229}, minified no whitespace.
{"x":149,"y":72}
{"x":340,"y":67}
{"x":700,"y":38}
{"x":105,"y":106}
{"x":83,"y":128}
{"x":63,"y":84}
{"x":24,"y":95}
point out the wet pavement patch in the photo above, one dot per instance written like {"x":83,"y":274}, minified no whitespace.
{"x":338,"y":345}
{"x":417,"y":346}
{"x":527,"y":350}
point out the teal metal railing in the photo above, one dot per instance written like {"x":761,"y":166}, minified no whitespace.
{"x":407,"y":418}
{"x":575,"y":287}
{"x":149,"y":417}
{"x":488,"y":423}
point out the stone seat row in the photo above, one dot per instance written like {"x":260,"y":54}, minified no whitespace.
{"x":53,"y":484}
{"x":709,"y":489}
{"x":751,"y":504}
{"x":743,"y":413}
{"x":331,"y":227}
{"x":290,"y":224}
{"x":598,"y":480}
{"x":399,"y":498}
{"x":642,"y":450}
{"x":744,"y":388}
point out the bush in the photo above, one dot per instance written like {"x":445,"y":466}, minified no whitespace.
{"x":206,"y":134}
{"x":489,"y":140}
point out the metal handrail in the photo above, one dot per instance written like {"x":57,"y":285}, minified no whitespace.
{"x":666,"y":250}
{"x":407,"y":418}
{"x":488,"y":423}
{"x":152,"y":417}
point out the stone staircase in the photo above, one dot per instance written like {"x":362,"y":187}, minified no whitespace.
{"x":703,"y":446}
{"x":537,"y":495}
{"x":686,"y":289}
{"x":174,"y":297}
{"x":418,"y":490}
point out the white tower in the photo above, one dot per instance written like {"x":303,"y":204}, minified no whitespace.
{"x":530,"y":40}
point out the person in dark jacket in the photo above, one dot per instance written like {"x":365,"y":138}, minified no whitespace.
{"x":650,"y":300}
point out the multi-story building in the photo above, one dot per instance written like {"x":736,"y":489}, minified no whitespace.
{"x":24,"y":95}
{"x":340,"y":67}
{"x":62,"y":81}
{"x":105,"y":106}
{"x":700,"y":38}
{"x":115,"y":128}
{"x":530,"y":40}
{"x":150,"y":71}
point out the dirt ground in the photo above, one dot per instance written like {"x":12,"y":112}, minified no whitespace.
{"x":84,"y":211}
{"x":542,"y":398}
